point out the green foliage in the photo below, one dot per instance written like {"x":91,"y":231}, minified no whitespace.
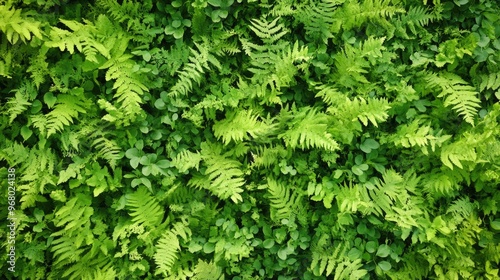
{"x":221,"y":139}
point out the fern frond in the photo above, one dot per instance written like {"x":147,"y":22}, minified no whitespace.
{"x":66,"y":250}
{"x":350,"y":270}
{"x":67,"y":108}
{"x":267,"y":156}
{"x":373,"y":110}
{"x":308,"y":129}
{"x":17,"y":26}
{"x":74,"y":215}
{"x":325,"y":259}
{"x":320,"y":20}
{"x":223,"y":176}
{"x":128,"y":84}
{"x":207,"y":271}
{"x":186,"y":160}
{"x":283,"y":200}
{"x":166,"y":252}
{"x":107,"y":149}
{"x":239,"y":125}
{"x":392,"y":199}
{"x":83,"y":37}
{"x":438,"y":184}
{"x":456,"y":152}
{"x":20,"y":102}
{"x":490,"y":81}
{"x":356,"y":13}
{"x":417,"y":134}
{"x":458,"y":93}
{"x":193,"y":71}
{"x":144,"y":208}
{"x":462,"y":208}
{"x":268,"y":32}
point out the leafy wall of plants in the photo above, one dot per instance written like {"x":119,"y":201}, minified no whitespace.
{"x":247,"y":139}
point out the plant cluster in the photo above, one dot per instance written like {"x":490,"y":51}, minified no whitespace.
{"x":251,"y":139}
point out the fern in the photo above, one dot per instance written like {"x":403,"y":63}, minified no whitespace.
{"x":82,"y":37}
{"x":74,"y":215}
{"x":307,"y":129}
{"x":439,"y":184}
{"x":267,"y":156}
{"x":67,"y":108}
{"x":351,"y":270}
{"x":66,"y":251}
{"x":128,"y":85}
{"x":393,"y":199}
{"x":353,"y":62}
{"x":268,"y":32}
{"x":320,"y":19}
{"x":186,"y":160}
{"x":6,"y":59}
{"x":457,"y":93}
{"x":283,"y":200}
{"x":194,"y":70}
{"x":144,"y":208}
{"x":416,"y":134}
{"x":371,"y":110}
{"x":415,"y":18}
{"x":355,"y":13}
{"x":17,"y":26}
{"x":490,"y":82}
{"x":168,"y":247}
{"x":239,"y":125}
{"x":207,"y":271}
{"x":326,"y":258}
{"x":20,"y":102}
{"x":223,"y":176}
{"x":455,"y":153}
{"x":108,"y":150}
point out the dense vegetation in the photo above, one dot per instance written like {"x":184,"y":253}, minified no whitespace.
{"x":251,"y":139}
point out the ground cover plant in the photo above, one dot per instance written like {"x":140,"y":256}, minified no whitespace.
{"x":250,"y":139}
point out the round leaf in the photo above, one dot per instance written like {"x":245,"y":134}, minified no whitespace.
{"x":208,"y":248}
{"x":268,"y":243}
{"x":49,"y":99}
{"x":383,"y":250}
{"x":384,"y":265}
{"x":371,"y":246}
{"x":26,"y":132}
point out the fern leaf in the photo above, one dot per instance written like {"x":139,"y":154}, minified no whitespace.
{"x":207,"y":271}
{"x":128,"y":85}
{"x":267,"y":156}
{"x":166,"y":252}
{"x":17,"y":26}
{"x":74,"y":215}
{"x":108,"y":150}
{"x":20,"y":102}
{"x":453,"y":154}
{"x":238,"y":126}
{"x":66,"y":250}
{"x":490,"y":82}
{"x":319,"y":19}
{"x":419,"y":135}
{"x":186,"y":160}
{"x":144,"y":208}
{"x":223,"y":176}
{"x":457,"y":93}
{"x":308,"y":129}
{"x":350,"y":270}
{"x":268,"y":32}
{"x":282,"y":200}
{"x":67,"y":109}
{"x":194,"y":70}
